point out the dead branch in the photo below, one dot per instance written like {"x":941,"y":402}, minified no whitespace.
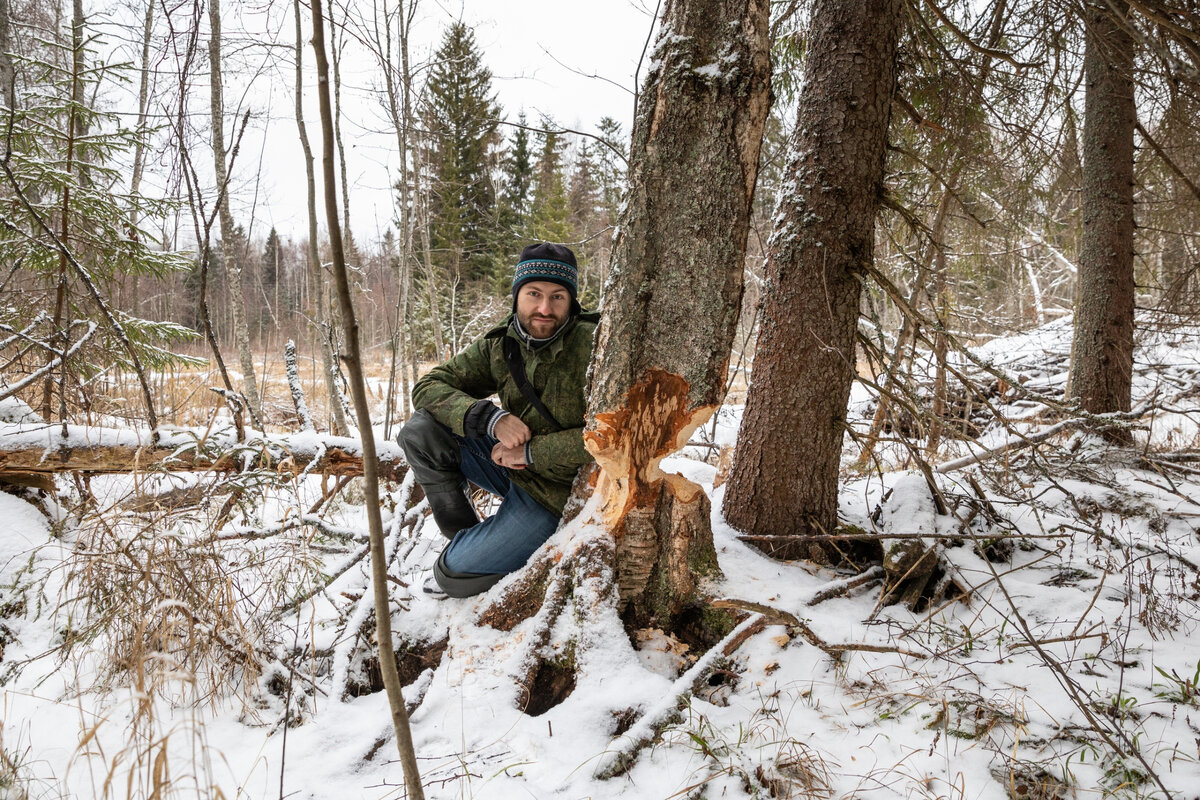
{"x":795,"y":625}
{"x":840,"y":588}
{"x":617,"y":761}
{"x":1012,"y":445}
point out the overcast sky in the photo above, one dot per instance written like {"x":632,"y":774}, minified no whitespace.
{"x":542,"y":55}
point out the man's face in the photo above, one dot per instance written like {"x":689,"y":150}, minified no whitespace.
{"x":542,"y":308}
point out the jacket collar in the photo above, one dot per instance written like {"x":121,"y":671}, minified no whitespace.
{"x":534,"y":344}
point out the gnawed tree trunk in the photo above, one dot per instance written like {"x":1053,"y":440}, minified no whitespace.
{"x":671,"y":306}
{"x":642,"y":539}
{"x":1102,"y":350}
{"x":784,"y":479}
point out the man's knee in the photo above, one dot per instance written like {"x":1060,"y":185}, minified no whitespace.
{"x":428,"y":444}
{"x":420,"y":429}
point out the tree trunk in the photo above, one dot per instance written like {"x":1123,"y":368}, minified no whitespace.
{"x":233,"y":267}
{"x":139,"y":147}
{"x":328,"y":367}
{"x":659,"y":367}
{"x":785,"y":472}
{"x":354,"y":363}
{"x":7,"y":74}
{"x":109,"y":453}
{"x":671,"y":309}
{"x":398,"y":96}
{"x":335,"y":58}
{"x":1102,"y":353}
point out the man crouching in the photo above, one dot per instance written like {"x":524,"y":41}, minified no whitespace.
{"x":528,"y":449}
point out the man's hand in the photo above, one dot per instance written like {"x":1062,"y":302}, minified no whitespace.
{"x":511,"y":432}
{"x":509,"y":457}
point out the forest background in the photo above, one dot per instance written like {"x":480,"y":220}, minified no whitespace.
{"x":116,"y":117}
{"x":137,"y":271}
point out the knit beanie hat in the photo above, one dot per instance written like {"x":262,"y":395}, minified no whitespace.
{"x":547,"y":262}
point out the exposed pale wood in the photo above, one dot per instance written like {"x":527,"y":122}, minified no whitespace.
{"x":673,"y":297}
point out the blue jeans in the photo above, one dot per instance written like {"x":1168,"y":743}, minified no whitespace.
{"x":503,"y":542}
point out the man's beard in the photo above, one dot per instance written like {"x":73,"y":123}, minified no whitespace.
{"x":529,"y":322}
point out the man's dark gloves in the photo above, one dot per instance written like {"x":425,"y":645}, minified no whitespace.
{"x":481,"y":420}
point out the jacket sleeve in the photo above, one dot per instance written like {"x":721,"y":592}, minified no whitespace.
{"x":559,"y":455}
{"x":449,"y":390}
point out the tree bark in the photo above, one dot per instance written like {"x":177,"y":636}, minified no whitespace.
{"x":635,"y":541}
{"x":1102,"y":352}
{"x":398,"y":95}
{"x":139,"y":148}
{"x":671,"y":308}
{"x":233,"y":267}
{"x":7,"y":74}
{"x":785,"y":472}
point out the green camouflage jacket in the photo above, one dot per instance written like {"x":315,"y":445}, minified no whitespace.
{"x":557,"y":371}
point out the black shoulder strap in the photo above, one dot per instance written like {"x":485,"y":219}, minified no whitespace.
{"x":516,"y":368}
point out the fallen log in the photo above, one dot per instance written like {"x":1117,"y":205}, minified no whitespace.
{"x":32,"y":450}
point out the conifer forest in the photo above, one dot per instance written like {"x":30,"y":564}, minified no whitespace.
{"x":893,"y":406}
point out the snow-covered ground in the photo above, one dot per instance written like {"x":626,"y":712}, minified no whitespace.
{"x":1069,"y":668}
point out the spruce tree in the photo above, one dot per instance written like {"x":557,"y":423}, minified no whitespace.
{"x":67,"y":242}
{"x":518,"y":178}
{"x":462,"y":116}
{"x":611,"y":159}
{"x":588,"y":217}
{"x":270,"y":264}
{"x":549,"y":211}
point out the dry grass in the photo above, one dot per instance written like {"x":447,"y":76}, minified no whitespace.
{"x":158,"y":606}
{"x":183,"y":398}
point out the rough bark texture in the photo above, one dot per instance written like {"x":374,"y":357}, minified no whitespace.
{"x":674,"y":292}
{"x":785,"y":472}
{"x":6,"y":65}
{"x":1102,"y":352}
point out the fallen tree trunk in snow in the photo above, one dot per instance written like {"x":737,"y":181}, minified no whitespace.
{"x":42,"y":450}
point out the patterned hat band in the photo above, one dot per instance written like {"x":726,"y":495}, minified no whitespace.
{"x":541,"y":269}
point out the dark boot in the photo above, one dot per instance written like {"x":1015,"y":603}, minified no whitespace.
{"x":462,"y":584}
{"x":452,"y":509}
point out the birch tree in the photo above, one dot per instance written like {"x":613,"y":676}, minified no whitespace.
{"x":233,"y":266}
